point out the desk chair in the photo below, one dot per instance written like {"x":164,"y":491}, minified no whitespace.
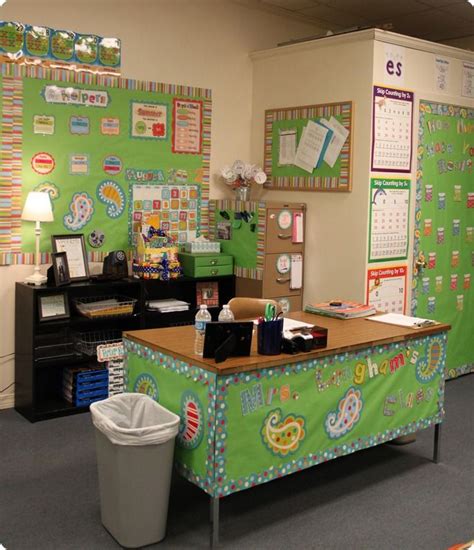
{"x":250,"y":308}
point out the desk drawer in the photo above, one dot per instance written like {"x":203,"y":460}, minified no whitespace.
{"x":205,"y":265}
{"x":275,"y":283}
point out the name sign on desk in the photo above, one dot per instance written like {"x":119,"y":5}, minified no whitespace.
{"x":110,"y":352}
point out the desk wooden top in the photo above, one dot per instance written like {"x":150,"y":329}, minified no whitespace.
{"x":343,"y":336}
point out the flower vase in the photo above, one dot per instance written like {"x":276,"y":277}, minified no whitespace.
{"x":242,"y":193}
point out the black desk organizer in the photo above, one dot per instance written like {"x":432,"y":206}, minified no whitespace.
{"x":44,"y":348}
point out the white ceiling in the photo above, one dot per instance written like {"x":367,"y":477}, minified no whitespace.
{"x":446,"y":21}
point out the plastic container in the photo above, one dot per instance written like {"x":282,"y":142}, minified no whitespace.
{"x":135,"y":444}
{"x":226,"y":315}
{"x":202,"y":317}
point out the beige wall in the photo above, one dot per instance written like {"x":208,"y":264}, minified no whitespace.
{"x":203,"y":43}
{"x":324,"y":71}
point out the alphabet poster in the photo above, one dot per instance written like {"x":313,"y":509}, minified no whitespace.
{"x":392,"y":122}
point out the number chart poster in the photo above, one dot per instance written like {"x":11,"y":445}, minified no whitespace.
{"x":392,"y":122}
{"x":386,"y":288}
{"x":444,"y":230}
{"x":87,"y":140}
{"x":389,"y":212}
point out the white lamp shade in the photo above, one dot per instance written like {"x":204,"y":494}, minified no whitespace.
{"x":37,"y":207}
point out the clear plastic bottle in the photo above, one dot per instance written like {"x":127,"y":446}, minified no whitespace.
{"x":226,"y":315}
{"x":202,"y":317}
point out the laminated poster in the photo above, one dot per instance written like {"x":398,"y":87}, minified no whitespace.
{"x":389,"y":214}
{"x":386,"y":288}
{"x":392,"y":121}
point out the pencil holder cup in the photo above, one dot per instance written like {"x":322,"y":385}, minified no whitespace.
{"x":269,"y":335}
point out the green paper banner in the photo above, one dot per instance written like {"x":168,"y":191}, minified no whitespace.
{"x":245,"y":429}
{"x":444,"y":232}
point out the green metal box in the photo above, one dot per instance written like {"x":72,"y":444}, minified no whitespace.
{"x":206,"y":265}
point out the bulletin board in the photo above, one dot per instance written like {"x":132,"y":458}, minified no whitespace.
{"x":87,"y":140}
{"x":444,"y":230}
{"x":292,"y":178}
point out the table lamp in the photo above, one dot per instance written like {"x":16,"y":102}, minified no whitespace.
{"x":37,"y":209}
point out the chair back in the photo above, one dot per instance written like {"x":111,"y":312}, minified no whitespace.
{"x":250,"y":308}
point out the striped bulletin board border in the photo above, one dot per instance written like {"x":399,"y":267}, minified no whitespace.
{"x":317,"y":181}
{"x":11,"y":138}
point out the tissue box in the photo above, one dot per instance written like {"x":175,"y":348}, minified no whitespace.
{"x":197,"y":247}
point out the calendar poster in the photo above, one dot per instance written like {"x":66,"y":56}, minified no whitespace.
{"x":389,"y":214}
{"x":392,"y":122}
{"x":386,"y":288}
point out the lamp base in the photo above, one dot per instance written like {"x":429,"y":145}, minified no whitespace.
{"x":36,"y":279}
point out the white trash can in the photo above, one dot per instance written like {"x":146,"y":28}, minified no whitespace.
{"x":135,"y":439}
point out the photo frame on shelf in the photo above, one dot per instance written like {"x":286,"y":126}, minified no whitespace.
{"x":60,"y":268}
{"x":75,"y":248}
{"x":53,"y":306}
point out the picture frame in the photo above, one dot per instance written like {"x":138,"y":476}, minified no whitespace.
{"x":53,"y":306}
{"x":60,"y":268}
{"x":75,"y":248}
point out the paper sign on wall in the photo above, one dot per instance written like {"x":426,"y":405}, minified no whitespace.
{"x":296,"y":280}
{"x":386,"y":288}
{"x":467,"y":80}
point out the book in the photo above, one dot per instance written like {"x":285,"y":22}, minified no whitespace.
{"x":341,"y":309}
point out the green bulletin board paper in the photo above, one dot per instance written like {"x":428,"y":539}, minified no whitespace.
{"x":444,"y":232}
{"x":243,"y":242}
{"x":291,"y":177}
{"x":95,"y":147}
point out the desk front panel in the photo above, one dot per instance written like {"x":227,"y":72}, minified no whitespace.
{"x":261,"y":425}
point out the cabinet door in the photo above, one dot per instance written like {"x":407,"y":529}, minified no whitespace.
{"x":280,"y":230}
{"x":277,"y":276}
{"x":289,"y":304}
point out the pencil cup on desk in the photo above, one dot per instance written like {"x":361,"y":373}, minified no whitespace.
{"x":269,"y":337}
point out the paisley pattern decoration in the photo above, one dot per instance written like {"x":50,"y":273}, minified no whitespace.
{"x":146,"y":384}
{"x":282,"y":436}
{"x":110,"y":193}
{"x":191,"y":428}
{"x":81,"y":209}
{"x":342,"y":420}
{"x":427,"y":369}
{"x":48,"y":187}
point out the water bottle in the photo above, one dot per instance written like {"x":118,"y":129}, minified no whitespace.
{"x":226,"y":315}
{"x":202,"y":317}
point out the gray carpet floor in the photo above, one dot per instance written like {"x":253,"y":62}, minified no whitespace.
{"x":387,"y":497}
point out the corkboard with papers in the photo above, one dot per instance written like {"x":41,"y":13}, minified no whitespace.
{"x":308,"y":148}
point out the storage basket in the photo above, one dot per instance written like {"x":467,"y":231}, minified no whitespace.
{"x":96,"y":307}
{"x":87,"y":342}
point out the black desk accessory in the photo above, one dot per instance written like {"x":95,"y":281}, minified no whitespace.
{"x":224,"y":340}
{"x":115,"y":265}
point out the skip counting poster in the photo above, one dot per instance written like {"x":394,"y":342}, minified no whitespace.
{"x":87,"y":140}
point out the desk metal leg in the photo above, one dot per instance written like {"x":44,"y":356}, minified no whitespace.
{"x":214,"y":517}
{"x":436,"y":451}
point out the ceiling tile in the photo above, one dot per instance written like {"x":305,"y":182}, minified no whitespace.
{"x":464,"y":11}
{"x":341,"y":18}
{"x":375,"y":11}
{"x":432,"y":25}
{"x":443,"y":3}
{"x":290,"y":4}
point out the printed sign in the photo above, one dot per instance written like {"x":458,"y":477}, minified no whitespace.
{"x":149,"y":120}
{"x":109,"y":352}
{"x":79,"y":165}
{"x":187,"y":126}
{"x":43,"y":124}
{"x":386,"y":288}
{"x":75,"y":96}
{"x":43,"y":163}
{"x":110,"y":126}
{"x":112,"y":165}
{"x":79,"y":125}
{"x":392,"y":121}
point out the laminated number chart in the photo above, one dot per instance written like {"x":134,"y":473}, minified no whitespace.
{"x":386,"y":288}
{"x":392,"y":121}
{"x":389,"y":208}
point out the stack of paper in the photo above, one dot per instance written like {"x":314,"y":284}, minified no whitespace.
{"x":404,"y":320}
{"x":167,"y":306}
{"x":341,"y":310}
